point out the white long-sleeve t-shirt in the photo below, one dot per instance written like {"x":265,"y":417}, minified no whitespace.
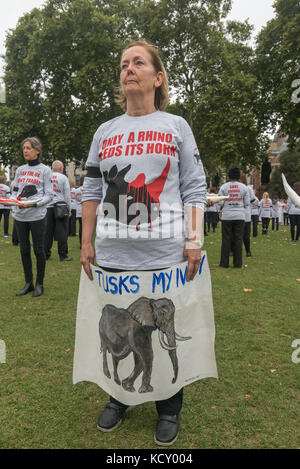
{"x":61,"y":189}
{"x":255,"y":206}
{"x":248,"y":208}
{"x":265,"y":208}
{"x":292,"y":208}
{"x":4,"y":192}
{"x":39,"y":176}
{"x":275,"y":208}
{"x":78,"y":198}
{"x":73,"y":198}
{"x":234,"y":208}
{"x":144,"y":170}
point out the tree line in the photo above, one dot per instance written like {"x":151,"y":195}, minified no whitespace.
{"x":62,"y":71}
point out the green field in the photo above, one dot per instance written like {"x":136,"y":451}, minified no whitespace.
{"x":253,"y":404}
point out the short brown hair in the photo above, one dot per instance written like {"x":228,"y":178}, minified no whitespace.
{"x":161,"y":98}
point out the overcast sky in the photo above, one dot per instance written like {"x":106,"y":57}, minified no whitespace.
{"x":258,"y":12}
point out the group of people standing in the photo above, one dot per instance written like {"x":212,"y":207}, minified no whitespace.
{"x":50,"y":216}
{"x":160,"y":175}
{"x":240,"y":209}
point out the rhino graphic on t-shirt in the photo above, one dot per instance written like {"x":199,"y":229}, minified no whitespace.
{"x":28,"y":191}
{"x":135,"y":192}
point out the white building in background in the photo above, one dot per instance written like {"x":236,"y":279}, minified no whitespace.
{"x":74,"y":173}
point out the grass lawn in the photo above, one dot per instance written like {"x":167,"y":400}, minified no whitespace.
{"x":253,"y":404}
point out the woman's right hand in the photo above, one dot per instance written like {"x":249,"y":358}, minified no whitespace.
{"x":87,"y":257}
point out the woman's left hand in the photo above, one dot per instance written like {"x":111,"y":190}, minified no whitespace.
{"x":193,"y":256}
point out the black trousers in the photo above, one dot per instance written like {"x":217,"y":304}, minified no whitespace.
{"x":285,"y":218}
{"x":275,"y":221}
{"x":56,"y":229}
{"x":5,"y":213}
{"x":205,"y":223}
{"x":72,"y":223}
{"x":255,"y":219}
{"x":295,"y":227}
{"x":265,"y":225}
{"x":171,"y":406}
{"x":232,"y":238}
{"x":212,"y":219}
{"x":80,"y":230}
{"x":246,"y":235}
{"x":37,"y":230}
{"x":15,"y":240}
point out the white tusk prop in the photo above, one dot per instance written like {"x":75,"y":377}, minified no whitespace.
{"x":216,"y":197}
{"x":290,"y":192}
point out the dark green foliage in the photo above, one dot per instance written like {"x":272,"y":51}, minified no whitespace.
{"x":278,"y":66}
{"x":63,"y":69}
{"x":290,"y":167}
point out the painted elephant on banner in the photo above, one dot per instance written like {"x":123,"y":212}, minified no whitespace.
{"x":125,"y":331}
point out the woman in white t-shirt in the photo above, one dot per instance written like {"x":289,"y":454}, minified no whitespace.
{"x":157,"y":153}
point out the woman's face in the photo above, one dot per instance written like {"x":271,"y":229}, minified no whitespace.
{"x":138,"y":75}
{"x":29,"y":152}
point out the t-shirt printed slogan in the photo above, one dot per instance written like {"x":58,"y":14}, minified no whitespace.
{"x":144,"y":142}
{"x":30,"y":177}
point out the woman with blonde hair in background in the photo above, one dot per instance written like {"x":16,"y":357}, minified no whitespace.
{"x":265,"y":212}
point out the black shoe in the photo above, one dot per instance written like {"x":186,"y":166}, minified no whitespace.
{"x":167,"y":429}
{"x":39,"y":290}
{"x":28,"y":287}
{"x":111,"y":417}
{"x":248,"y":254}
{"x":67,"y":258}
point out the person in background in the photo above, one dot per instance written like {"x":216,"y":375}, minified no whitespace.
{"x":177,"y":179}
{"x":233,"y":218}
{"x":72,"y":219}
{"x":294,"y":215}
{"x":205,"y":222}
{"x":78,"y":197}
{"x":247,"y":226}
{"x":33,"y":181}
{"x":255,"y":216}
{"x":285,"y":213}
{"x":275,"y":213}
{"x":265,"y":212}
{"x":58,"y":227}
{"x":14,"y":236}
{"x":4,"y":210}
{"x":212,"y":214}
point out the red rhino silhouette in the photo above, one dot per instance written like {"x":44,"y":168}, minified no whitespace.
{"x":136,"y":192}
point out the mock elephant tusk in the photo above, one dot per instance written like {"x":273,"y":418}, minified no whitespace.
{"x":163,"y":343}
{"x":179,"y":337}
{"x":290,"y":192}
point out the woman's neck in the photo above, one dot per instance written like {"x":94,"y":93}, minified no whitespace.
{"x":138,"y":107}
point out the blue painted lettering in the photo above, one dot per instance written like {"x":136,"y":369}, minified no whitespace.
{"x":122,"y":283}
{"x":201,"y":265}
{"x":133,"y":282}
{"x":156,"y":281}
{"x":169,"y":277}
{"x":113,"y":291}
{"x":183,"y":276}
